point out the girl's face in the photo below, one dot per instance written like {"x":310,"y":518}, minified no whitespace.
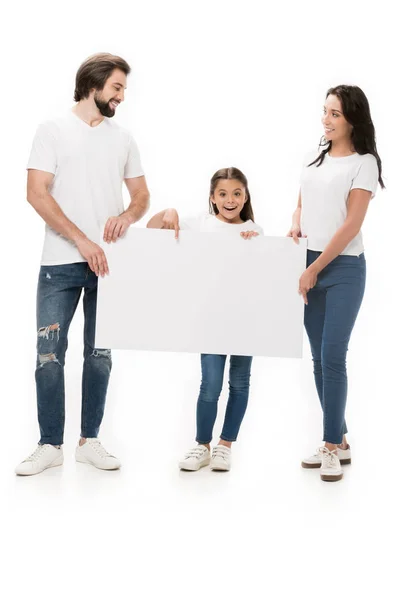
{"x":229,"y":197}
{"x":336,"y":128}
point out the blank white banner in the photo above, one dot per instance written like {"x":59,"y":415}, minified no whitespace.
{"x":206,"y":293}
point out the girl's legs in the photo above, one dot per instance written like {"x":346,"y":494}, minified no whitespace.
{"x":239,"y":384}
{"x":212,"y":371}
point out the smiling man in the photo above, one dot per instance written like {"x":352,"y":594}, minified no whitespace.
{"x":75,"y":174}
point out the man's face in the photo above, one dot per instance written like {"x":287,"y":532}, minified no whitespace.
{"x":112,"y":94}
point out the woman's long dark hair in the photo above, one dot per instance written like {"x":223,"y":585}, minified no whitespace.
{"x":246,"y":213}
{"x":356,"y":111}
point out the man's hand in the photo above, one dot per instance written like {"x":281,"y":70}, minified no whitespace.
{"x":94,"y":255}
{"x":116,"y":227}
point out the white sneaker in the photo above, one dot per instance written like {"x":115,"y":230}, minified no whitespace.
{"x":331,"y":469}
{"x":315,"y":461}
{"x":44,"y":457}
{"x":93,"y":453}
{"x":195,"y":459}
{"x":221,"y":458}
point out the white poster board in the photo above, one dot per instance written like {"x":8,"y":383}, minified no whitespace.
{"x":205,"y":293}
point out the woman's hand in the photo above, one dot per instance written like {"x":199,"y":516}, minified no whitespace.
{"x":295,"y":233}
{"x":307,"y":281}
{"x":171,"y":221}
{"x":248,"y":234}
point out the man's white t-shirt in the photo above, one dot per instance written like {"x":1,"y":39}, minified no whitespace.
{"x":324,"y":194}
{"x":89,"y":165}
{"x":209,"y":223}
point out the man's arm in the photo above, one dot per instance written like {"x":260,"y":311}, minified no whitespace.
{"x":46,"y":206}
{"x":140,"y":202}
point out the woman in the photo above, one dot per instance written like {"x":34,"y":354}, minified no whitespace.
{"x":336,"y":188}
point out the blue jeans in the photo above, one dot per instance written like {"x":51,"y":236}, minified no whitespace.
{"x":59,"y":290}
{"x":212,"y":370}
{"x":332,"y":309}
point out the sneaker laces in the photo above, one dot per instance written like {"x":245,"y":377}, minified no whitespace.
{"x":36,"y":454}
{"x":328,"y":456}
{"x":99,"y":448}
{"x":195,"y":452}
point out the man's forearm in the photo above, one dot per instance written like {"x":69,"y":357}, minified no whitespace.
{"x":47,"y":207}
{"x":138,"y":207}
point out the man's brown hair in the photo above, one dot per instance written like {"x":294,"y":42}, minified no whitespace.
{"x":94,"y":72}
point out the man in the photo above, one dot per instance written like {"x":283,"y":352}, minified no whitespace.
{"x":75,"y":173}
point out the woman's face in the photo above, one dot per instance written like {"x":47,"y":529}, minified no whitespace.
{"x":336,"y":128}
{"x":229,"y":197}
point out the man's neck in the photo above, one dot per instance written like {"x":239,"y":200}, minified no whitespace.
{"x":88,"y":112}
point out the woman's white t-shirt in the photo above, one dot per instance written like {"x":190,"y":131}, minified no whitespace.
{"x":324,"y":195}
{"x":209,"y":223}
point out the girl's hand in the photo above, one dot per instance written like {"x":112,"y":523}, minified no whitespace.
{"x":295,"y":233}
{"x":248,"y":234}
{"x":171,"y":221}
{"x":307,"y":282}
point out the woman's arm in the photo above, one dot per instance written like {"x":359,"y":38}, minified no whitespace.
{"x":295,"y":230}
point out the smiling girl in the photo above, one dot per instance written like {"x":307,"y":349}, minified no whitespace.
{"x":337,"y":185}
{"x":230,"y":211}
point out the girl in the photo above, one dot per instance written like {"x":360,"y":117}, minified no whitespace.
{"x":336,"y":187}
{"x":230,"y":211}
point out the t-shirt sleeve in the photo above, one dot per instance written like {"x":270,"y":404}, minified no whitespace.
{"x":367,"y":175}
{"x":43,"y":156}
{"x":133,"y":166}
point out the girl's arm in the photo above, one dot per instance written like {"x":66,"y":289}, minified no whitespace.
{"x":357,"y":206}
{"x":166,"y":219}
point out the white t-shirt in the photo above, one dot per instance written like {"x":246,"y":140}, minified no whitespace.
{"x":89,"y":165}
{"x":324,"y":194}
{"x":209,"y":223}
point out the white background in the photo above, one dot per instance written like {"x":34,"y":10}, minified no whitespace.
{"x":214,"y":84}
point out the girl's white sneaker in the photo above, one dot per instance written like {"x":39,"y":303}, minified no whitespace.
{"x":221,"y":458}
{"x":195,"y":459}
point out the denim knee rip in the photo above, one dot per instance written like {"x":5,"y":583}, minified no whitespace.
{"x":49,"y":333}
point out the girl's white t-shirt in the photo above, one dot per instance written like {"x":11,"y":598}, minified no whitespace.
{"x":324,"y":195}
{"x":209,"y":223}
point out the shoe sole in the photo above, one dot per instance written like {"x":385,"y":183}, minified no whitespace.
{"x":186,"y":468}
{"x":88,"y":462}
{"x":57,"y":463}
{"x":220,"y":469}
{"x":344,"y":461}
{"x":331,"y":477}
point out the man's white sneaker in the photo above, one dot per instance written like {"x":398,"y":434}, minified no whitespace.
{"x":315,"y":461}
{"x":221,"y":458}
{"x":195,"y":459}
{"x":44,"y":457}
{"x":93,"y":453}
{"x":331,"y":469}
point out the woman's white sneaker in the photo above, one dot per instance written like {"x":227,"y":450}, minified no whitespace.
{"x":195,"y":459}
{"x":315,"y":461}
{"x":44,"y":457}
{"x":221,"y":458}
{"x":93,"y":453}
{"x":331,"y":469}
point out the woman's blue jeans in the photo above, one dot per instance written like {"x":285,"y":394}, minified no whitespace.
{"x":330,"y":314}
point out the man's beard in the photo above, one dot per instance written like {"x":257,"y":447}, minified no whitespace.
{"x":104,"y":107}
